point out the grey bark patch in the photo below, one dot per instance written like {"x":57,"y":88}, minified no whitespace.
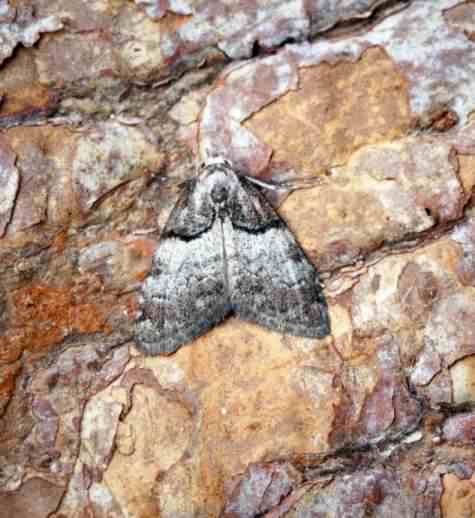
{"x":9,"y":184}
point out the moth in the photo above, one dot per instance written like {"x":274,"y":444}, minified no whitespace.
{"x":225,"y":250}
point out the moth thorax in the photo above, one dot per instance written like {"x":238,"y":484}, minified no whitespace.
{"x":219,"y":193}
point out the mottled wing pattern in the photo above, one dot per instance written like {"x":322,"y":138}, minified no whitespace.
{"x":248,"y":209}
{"x":185,"y":294}
{"x":225,"y":249}
{"x":271,"y":281}
{"x":193,"y":213}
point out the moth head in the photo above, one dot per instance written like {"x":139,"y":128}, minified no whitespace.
{"x":218,"y":180}
{"x":215,"y":160}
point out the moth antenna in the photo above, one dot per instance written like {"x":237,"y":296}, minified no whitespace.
{"x":302,"y":183}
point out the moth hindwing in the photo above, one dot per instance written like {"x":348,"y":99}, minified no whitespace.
{"x":224,"y":249}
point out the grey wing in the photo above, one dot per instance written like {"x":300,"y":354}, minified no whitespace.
{"x":193,"y":213}
{"x":271,"y":281}
{"x":185,"y":294}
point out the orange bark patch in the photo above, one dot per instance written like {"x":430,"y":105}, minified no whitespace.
{"x":138,"y":257}
{"x":336,"y":110}
{"x":27,"y":100}
{"x":46,"y":315}
{"x":458,"y":498}
{"x":467,"y":172}
{"x":8,"y":374}
{"x":23,"y":95}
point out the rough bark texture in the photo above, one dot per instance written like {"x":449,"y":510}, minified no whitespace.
{"x":105,"y":105}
